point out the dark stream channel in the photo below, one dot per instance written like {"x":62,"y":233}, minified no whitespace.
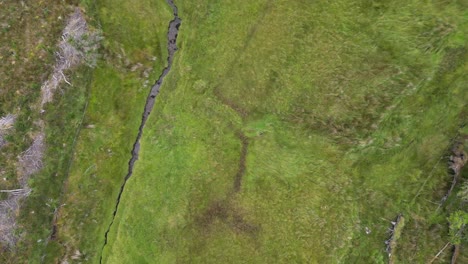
{"x":172,"y":33}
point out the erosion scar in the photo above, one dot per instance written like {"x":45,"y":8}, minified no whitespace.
{"x":172,"y":33}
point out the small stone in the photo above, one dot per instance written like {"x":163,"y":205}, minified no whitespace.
{"x":368,"y":231}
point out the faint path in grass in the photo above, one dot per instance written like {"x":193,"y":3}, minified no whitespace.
{"x":172,"y":33}
{"x":224,"y":210}
{"x":250,"y":35}
{"x":243,"y":113}
{"x":243,"y":158}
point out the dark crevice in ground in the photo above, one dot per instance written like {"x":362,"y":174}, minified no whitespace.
{"x":236,"y":107}
{"x":242,"y":162}
{"x":173,"y":31}
{"x":395,"y":232}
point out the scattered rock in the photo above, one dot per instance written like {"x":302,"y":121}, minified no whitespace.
{"x":6,"y":123}
{"x":77,"y":255}
{"x":368,"y":231}
{"x":395,"y":232}
{"x":458,"y":158}
{"x":456,"y":162}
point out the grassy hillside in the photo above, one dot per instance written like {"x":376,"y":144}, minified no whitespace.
{"x":294,"y":132}
{"x":133,"y":54}
{"x":285,"y":132}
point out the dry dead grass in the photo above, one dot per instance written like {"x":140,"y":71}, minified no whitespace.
{"x":77,"y":46}
{"x":6,"y":123}
{"x":29,"y":163}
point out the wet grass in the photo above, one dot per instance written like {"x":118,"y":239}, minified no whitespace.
{"x":348,"y":108}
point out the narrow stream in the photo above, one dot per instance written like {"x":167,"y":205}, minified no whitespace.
{"x":172,"y":33}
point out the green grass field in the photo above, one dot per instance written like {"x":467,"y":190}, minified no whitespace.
{"x":347,"y":107}
{"x":285,"y":132}
{"x":131,"y":49}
